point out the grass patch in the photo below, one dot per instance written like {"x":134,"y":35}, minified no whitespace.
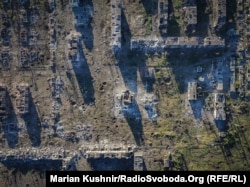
{"x":177,"y":4}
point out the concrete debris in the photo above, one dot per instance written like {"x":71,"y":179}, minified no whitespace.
{"x":160,"y":44}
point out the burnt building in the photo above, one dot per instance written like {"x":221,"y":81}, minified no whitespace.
{"x":219,"y":112}
{"x":163,"y":16}
{"x":33,"y":55}
{"x":160,"y":44}
{"x":138,"y":161}
{"x":73,"y":48}
{"x":116,"y":24}
{"x":33,"y":37}
{"x":23,"y":58}
{"x":23,"y":36}
{"x":192,"y":91}
{"x":127,"y":98}
{"x":82,"y":16}
{"x":22,"y":99}
{"x":219,"y":107}
{"x":5,"y":19}
{"x":74,"y":3}
{"x":52,"y":4}
{"x":23,"y":2}
{"x":3,"y":102}
{"x":219,"y":14}
{"x":34,"y":15}
{"x":23,"y":15}
{"x":5,"y":58}
{"x":5,"y":35}
{"x":190,"y":16}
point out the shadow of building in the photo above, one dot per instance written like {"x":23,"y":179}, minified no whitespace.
{"x":83,"y":76}
{"x":32,"y":122}
{"x":83,"y":22}
{"x":10,"y":124}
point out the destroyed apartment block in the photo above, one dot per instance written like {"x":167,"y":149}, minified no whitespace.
{"x":41,"y":57}
{"x":112,"y":154}
{"x":241,"y":78}
{"x":241,"y":73}
{"x":55,"y":112}
{"x":22,"y":99}
{"x":192,"y":91}
{"x":5,"y":58}
{"x":188,"y":3}
{"x":163,"y":15}
{"x":52,"y":22}
{"x":116,"y":24}
{"x":168,"y":163}
{"x":247,"y":53}
{"x":3,"y":102}
{"x":23,"y":2}
{"x":152,"y":109}
{"x":112,"y":150}
{"x":248,"y":12}
{"x":240,"y":11}
{"x":159,"y":44}
{"x":74,"y":3}
{"x":138,"y":161}
{"x":33,"y":154}
{"x":5,"y":19}
{"x":126,"y":99}
{"x":73,"y":48}
{"x":23,"y":57}
{"x":248,"y":74}
{"x":219,"y":14}
{"x":33,"y":38}
{"x":5,"y":35}
{"x":190,"y":17}
{"x":84,"y":132}
{"x":248,"y":81}
{"x":219,"y":107}
{"x":52,"y":41}
{"x":23,"y":15}
{"x":248,"y":29}
{"x":12,"y":127}
{"x":232,"y":76}
{"x":52,"y":53}
{"x":81,"y":16}
{"x":220,"y":85}
{"x":147,"y":72}
{"x":34,"y":15}
{"x":23,"y":36}
{"x":57,"y":87}
{"x":52,"y":4}
{"x":33,"y":55}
